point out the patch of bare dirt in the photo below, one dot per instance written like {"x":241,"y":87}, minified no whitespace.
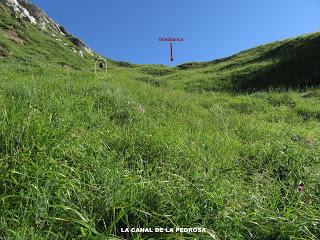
{"x":310,"y":142}
{"x":14,"y":36}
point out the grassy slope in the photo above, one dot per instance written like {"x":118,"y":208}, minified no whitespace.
{"x":81,"y":157}
{"x":290,"y":64}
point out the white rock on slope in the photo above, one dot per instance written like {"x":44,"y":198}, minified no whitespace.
{"x":23,"y":12}
{"x":26,"y":10}
{"x":44,"y":21}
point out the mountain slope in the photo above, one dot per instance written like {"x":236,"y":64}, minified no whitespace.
{"x":84,"y":158}
{"x":292,"y":63}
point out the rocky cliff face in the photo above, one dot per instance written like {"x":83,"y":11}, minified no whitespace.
{"x":20,"y":11}
{"x":27,"y":11}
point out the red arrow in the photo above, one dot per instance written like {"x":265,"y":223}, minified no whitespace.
{"x":171,"y":54}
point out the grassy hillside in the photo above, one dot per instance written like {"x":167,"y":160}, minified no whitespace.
{"x":288,"y":64}
{"x":150,"y":146}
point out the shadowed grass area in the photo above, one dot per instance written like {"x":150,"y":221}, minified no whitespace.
{"x":292,"y":63}
{"x":150,"y":146}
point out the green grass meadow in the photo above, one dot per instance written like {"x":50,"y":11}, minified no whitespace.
{"x":151,"y":146}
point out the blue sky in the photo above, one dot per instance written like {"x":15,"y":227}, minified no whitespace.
{"x":128,"y":30}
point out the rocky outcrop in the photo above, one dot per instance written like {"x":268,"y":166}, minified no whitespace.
{"x":27,"y":11}
{"x":30,"y":12}
{"x":79,"y":43}
{"x":40,"y":16}
{"x":20,"y":11}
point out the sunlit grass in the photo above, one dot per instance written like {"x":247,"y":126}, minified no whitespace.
{"x":82,"y":157}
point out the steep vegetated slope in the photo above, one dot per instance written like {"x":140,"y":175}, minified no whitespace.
{"x":151,"y":146}
{"x":288,"y":64}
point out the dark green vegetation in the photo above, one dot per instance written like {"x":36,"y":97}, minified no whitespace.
{"x":288,"y":64}
{"x":81,"y":157}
